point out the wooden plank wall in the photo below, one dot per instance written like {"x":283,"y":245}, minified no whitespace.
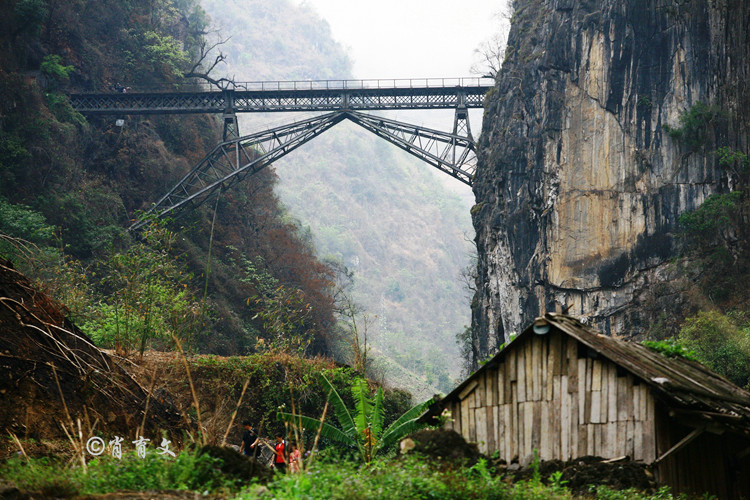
{"x":547,"y":395}
{"x":707,"y":464}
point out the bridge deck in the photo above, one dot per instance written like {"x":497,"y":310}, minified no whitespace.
{"x":326,"y":95}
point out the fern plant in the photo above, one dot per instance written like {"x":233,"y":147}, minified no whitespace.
{"x":364,"y":429}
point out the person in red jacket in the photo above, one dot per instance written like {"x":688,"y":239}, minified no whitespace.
{"x":280,"y":461}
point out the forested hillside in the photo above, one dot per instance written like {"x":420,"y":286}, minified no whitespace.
{"x":70,"y":185}
{"x":369,"y":206}
{"x":241,"y":273}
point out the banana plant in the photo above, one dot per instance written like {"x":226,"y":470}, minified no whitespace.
{"x":363,"y":431}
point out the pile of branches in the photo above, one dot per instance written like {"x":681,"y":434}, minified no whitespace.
{"x":55,"y":382}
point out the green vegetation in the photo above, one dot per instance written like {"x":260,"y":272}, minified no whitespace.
{"x":644,"y":102}
{"x":68,"y":188}
{"x":189,"y":470}
{"x":147,"y":297}
{"x":285,"y":315}
{"x":86,"y":178}
{"x":696,"y":126}
{"x":411,"y":477}
{"x":53,"y":68}
{"x":164,"y":52}
{"x":717,"y":214}
{"x":372,"y":208}
{"x":30,"y":14}
{"x":365,"y":431}
{"x":735,"y":162}
{"x":717,"y":264}
{"x":670,"y":348}
{"x":605,"y":493}
{"x":21,"y":221}
{"x":721,"y":342}
{"x":729,"y":157}
{"x":277,"y":381}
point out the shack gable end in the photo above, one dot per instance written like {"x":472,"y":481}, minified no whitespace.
{"x":553,"y":394}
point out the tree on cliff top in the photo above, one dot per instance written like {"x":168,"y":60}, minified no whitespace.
{"x":490,"y":54}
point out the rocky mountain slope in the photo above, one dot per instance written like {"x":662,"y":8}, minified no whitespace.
{"x":599,"y":134}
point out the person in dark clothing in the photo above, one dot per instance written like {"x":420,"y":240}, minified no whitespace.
{"x":280,"y":461}
{"x":249,"y":439}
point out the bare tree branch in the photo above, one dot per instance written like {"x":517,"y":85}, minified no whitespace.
{"x":354,"y":322}
{"x":198,"y":68}
{"x":491,"y":53}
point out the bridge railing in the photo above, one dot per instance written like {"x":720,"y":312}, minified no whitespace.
{"x":362,"y":84}
{"x":395,"y":83}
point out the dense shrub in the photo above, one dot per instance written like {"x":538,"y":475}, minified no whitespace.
{"x":696,"y":126}
{"x":20,"y":221}
{"x":721,"y":342}
{"x":187,"y":470}
{"x":417,"y":478}
{"x":718,"y":213}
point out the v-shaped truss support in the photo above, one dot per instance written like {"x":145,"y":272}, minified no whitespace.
{"x":235,"y":159}
{"x":451,"y":153}
{"x":232,"y":161}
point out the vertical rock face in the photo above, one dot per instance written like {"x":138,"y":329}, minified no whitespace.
{"x":579,"y":187}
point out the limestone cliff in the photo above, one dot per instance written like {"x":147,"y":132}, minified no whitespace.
{"x":579,"y":186}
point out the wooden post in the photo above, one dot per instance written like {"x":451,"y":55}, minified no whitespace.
{"x":565,"y":451}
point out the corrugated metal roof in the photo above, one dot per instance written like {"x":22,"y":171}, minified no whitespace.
{"x":686,"y":386}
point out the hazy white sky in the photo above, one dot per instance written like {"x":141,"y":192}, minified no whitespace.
{"x":410,"y":38}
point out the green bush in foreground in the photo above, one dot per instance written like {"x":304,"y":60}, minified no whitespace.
{"x":405,"y":479}
{"x":49,"y":477}
{"x":408,"y":478}
{"x":186,"y":471}
{"x":415,"y":478}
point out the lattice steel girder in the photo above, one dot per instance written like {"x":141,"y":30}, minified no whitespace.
{"x":150,"y":103}
{"x":451,"y":153}
{"x":263,"y":101}
{"x":232,"y":161}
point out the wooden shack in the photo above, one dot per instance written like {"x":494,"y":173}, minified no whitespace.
{"x":567,"y":391}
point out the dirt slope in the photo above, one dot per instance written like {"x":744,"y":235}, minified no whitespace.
{"x":42,"y":354}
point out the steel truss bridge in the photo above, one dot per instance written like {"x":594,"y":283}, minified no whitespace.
{"x":238,"y":157}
